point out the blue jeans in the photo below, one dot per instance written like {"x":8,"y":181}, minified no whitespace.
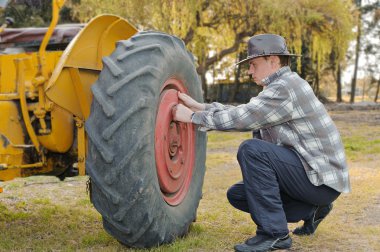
{"x":275,"y":189}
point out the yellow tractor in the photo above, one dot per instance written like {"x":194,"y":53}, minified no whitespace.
{"x":102,"y":107}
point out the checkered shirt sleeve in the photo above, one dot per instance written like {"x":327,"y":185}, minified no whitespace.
{"x":271,"y":107}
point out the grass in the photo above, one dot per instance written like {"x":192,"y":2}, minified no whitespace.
{"x":45,"y":214}
{"x":357,"y":147}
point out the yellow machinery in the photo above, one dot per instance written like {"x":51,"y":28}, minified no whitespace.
{"x":45,"y":98}
{"x":146,"y":170}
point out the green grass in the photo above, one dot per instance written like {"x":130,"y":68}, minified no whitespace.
{"x":357,"y":147}
{"x":41,"y":201}
{"x":10,"y":216}
{"x":44,"y":214}
{"x":218,"y":140}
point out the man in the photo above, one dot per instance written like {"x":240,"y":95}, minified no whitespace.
{"x":295,"y":166}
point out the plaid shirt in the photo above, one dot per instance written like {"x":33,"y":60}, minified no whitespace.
{"x":288,"y":113}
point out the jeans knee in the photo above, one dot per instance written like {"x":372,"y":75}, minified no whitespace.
{"x":237,"y":197}
{"x":236,"y":192}
{"x":231,"y":194}
{"x":251,"y":145}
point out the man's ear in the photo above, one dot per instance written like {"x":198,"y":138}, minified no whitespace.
{"x":275,"y":61}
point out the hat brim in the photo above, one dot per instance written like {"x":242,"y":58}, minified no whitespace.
{"x":263,"y":55}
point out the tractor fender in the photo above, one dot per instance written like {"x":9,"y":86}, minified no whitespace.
{"x":81,"y":62}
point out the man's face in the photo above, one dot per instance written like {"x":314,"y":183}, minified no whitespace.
{"x":262,"y":67}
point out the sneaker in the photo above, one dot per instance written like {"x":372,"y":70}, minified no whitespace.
{"x":261,"y":243}
{"x":310,"y":225}
{"x":253,"y":240}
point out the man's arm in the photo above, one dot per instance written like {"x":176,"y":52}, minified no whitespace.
{"x":271,"y":107}
{"x":197,"y":106}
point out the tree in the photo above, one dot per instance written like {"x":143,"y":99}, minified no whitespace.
{"x":325,"y":39}
{"x":377,"y":91}
{"x":371,"y":44}
{"x":27,"y":13}
{"x":235,"y":89}
{"x":214,"y":29}
{"x":357,"y":49}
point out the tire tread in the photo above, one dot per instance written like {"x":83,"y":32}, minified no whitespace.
{"x":124,"y":192}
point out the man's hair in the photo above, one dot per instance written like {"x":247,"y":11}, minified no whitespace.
{"x":284,"y":60}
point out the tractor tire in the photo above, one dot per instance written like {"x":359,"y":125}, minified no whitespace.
{"x":146,"y":170}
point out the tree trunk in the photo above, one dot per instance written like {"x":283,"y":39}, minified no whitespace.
{"x":357,"y":52}
{"x":377,"y":90}
{"x":235,"y":88}
{"x":317,"y":78}
{"x":339,"y":84}
{"x":363,"y":91}
{"x":316,"y":84}
{"x":219,"y":93}
{"x":204,"y":85}
{"x":201,"y":70}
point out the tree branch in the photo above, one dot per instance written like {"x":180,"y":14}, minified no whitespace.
{"x":189,"y":36}
{"x":190,"y":33}
{"x":238,"y":39}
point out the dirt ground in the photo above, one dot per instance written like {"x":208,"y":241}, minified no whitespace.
{"x":45,"y":214}
{"x":367,"y":121}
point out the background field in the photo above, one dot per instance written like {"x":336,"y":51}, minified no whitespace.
{"x":42,"y":213}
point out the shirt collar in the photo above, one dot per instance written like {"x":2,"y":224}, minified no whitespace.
{"x":267,"y":80}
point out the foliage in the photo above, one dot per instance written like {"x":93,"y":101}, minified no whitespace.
{"x":367,"y":43}
{"x":215,"y":29}
{"x":371,"y":45}
{"x":28,"y":13}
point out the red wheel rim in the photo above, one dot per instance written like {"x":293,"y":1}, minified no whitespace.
{"x":174,"y":146}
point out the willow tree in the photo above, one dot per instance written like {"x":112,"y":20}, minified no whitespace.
{"x":331,"y":32}
{"x":215,"y":29}
{"x":314,"y":29}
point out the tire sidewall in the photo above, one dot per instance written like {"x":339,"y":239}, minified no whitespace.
{"x":180,"y":67}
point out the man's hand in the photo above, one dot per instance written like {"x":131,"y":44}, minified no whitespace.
{"x":190,"y":102}
{"x":181,"y":113}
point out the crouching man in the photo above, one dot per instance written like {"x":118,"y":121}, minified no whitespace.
{"x":295,"y":166}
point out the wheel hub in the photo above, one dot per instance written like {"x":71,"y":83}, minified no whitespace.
{"x":174,"y":139}
{"x":174,"y":146}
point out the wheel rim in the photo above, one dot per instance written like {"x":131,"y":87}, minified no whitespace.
{"x":174,"y":146}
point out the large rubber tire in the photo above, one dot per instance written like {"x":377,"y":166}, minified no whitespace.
{"x":121,"y":145}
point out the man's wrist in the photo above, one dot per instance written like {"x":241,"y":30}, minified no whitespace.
{"x":191,"y":117}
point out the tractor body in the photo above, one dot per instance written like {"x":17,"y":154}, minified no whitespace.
{"x":45,"y":96}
